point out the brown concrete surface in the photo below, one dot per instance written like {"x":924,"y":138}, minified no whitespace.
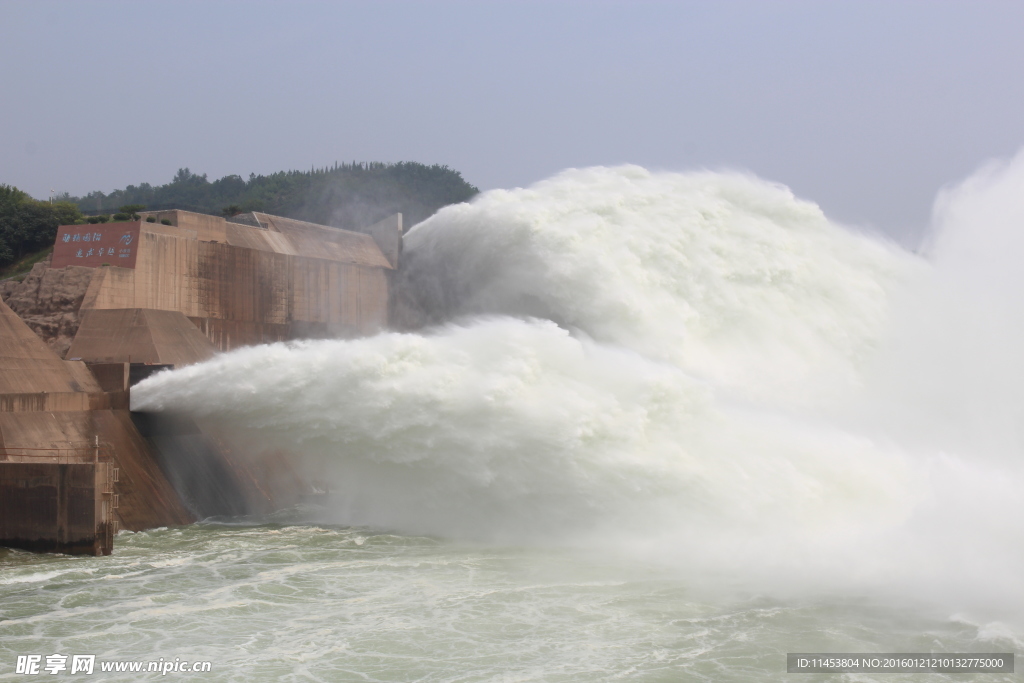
{"x":147,"y":498}
{"x":211,"y":475}
{"x":323,"y":242}
{"x":231,"y":334}
{"x":57,"y":507}
{"x":68,"y":401}
{"x":279,"y":235}
{"x":110,"y":376}
{"x":55,"y":413}
{"x":204,"y":227}
{"x":256,"y":284}
{"x":138,"y":335}
{"x":27,"y":365}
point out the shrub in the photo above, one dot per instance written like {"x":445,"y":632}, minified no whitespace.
{"x":150,"y":219}
{"x":132,"y":210}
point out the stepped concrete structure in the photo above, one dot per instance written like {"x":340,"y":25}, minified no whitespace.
{"x":73,"y":468}
{"x":139,"y":335}
{"x":121,"y":300}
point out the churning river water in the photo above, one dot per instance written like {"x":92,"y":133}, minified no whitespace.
{"x":321,"y":603}
{"x":653,"y":427}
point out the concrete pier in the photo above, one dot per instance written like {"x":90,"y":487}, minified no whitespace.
{"x":62,"y":507}
{"x":73,"y":468}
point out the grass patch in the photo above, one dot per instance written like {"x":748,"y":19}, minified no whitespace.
{"x":19,"y":269}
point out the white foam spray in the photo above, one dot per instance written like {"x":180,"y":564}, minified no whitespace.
{"x":688,"y":366}
{"x":728,"y":277}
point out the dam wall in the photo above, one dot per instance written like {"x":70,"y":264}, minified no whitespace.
{"x":239,"y":295}
{"x":120,"y":301}
{"x":254,"y":279}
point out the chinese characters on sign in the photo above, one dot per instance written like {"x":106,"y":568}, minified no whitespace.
{"x":110,"y":244}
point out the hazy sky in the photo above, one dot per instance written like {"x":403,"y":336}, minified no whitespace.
{"x":867,"y":108}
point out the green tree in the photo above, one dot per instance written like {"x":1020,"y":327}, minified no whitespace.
{"x":350,"y":195}
{"x":131,"y":210}
{"x":28,"y":225}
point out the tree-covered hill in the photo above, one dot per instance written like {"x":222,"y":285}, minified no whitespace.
{"x":344,"y":195}
{"x":28,"y":225}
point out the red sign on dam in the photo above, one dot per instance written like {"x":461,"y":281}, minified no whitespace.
{"x":113,"y":244}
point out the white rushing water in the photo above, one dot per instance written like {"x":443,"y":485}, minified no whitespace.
{"x":686,"y":366}
{"x":694,"y":377}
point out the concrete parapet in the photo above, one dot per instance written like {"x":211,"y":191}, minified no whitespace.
{"x":209,"y":228}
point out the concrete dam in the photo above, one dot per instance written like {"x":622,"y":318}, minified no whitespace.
{"x":117,"y":302}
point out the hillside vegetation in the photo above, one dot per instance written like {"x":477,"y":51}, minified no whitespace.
{"x":344,"y":195}
{"x":28,"y":226}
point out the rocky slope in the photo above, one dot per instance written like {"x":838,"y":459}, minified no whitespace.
{"x":48,"y":300}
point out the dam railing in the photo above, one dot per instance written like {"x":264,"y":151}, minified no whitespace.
{"x":62,"y":456}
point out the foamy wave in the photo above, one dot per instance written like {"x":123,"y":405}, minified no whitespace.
{"x":726,"y":275}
